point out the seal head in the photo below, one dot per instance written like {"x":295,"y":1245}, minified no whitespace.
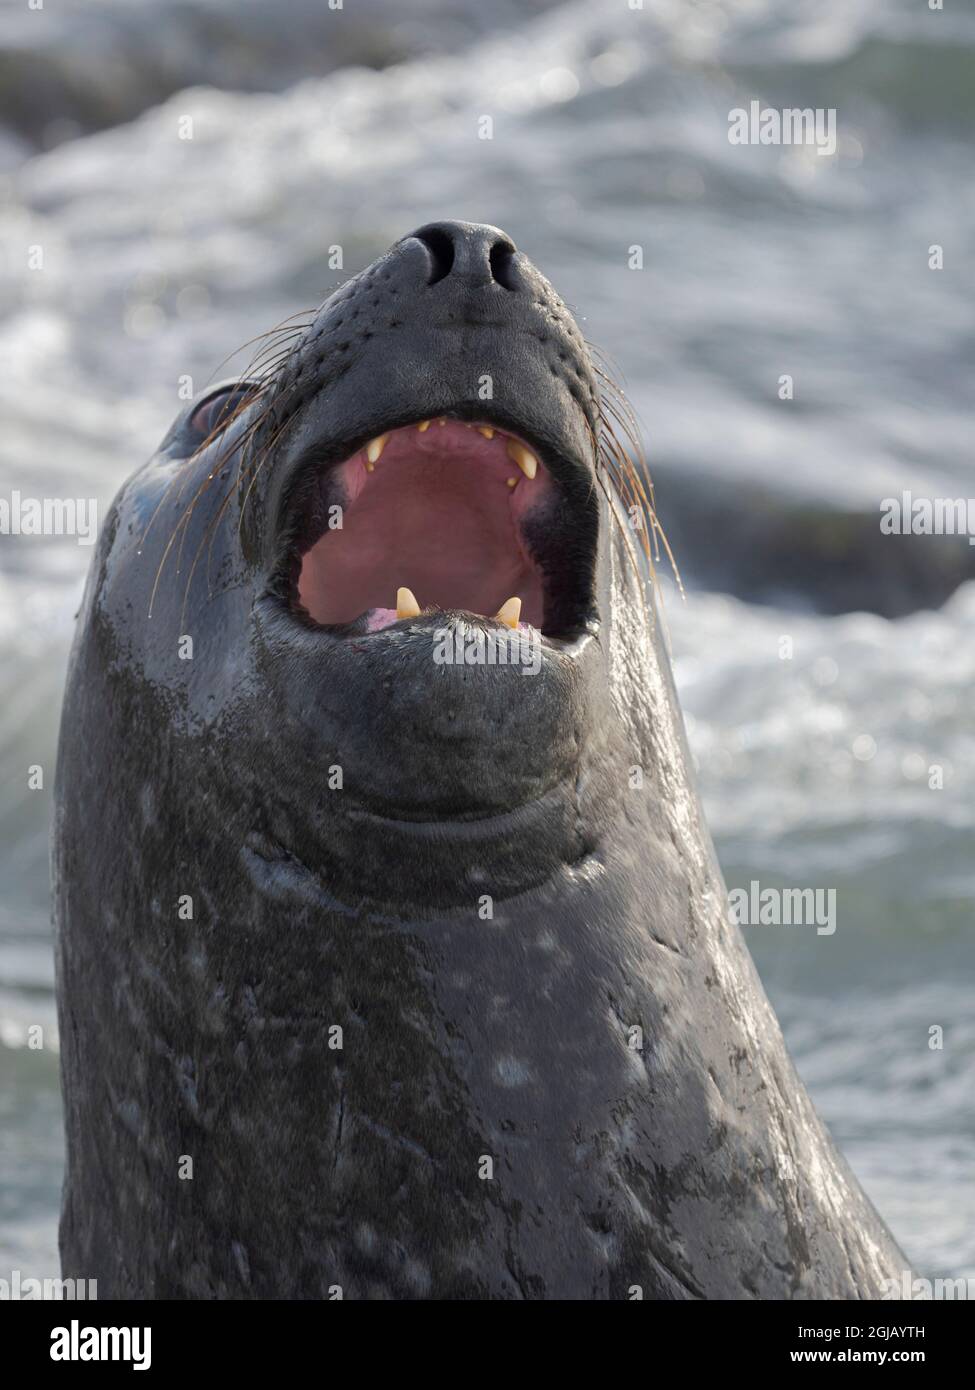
{"x":385,"y":906}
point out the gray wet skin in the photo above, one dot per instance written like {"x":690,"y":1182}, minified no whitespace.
{"x":490,"y":1126}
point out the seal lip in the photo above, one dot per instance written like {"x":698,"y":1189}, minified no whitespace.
{"x":555,"y":531}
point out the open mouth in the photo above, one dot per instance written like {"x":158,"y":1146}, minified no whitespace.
{"x":440,"y":516}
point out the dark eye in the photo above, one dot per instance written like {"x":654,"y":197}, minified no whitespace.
{"x":216,"y":412}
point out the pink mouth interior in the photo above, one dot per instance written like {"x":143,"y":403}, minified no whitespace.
{"x":435,"y":515}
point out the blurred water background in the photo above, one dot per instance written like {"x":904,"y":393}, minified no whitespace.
{"x":315,"y":127}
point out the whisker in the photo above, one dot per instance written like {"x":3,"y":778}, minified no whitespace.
{"x":262,"y":337}
{"x":620,"y":451}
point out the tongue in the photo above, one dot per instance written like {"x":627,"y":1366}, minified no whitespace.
{"x":380,"y":618}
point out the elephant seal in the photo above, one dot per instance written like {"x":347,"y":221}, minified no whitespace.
{"x":393,"y":956}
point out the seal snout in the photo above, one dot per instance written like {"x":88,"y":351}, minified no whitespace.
{"x":433,"y":446}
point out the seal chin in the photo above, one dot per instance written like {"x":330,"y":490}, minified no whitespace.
{"x":436,"y":518}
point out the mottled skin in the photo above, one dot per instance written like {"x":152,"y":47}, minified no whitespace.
{"x":694,"y":1167}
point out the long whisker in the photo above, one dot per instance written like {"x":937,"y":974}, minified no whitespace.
{"x":282,"y":327}
{"x":620,"y":451}
{"x":263,"y":459}
{"x":179,"y":481}
{"x":213,"y":473}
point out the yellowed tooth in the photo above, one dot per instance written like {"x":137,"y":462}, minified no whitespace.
{"x":525,"y":460}
{"x":374,"y":450}
{"x":486,"y":430}
{"x":406,"y":604}
{"x":442,"y":420}
{"x":512,"y":482}
{"x":423,"y":426}
{"x":510,"y":612}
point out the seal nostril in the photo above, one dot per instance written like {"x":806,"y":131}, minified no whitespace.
{"x":502,"y":264}
{"x":441,"y":248}
{"x":472,"y":253}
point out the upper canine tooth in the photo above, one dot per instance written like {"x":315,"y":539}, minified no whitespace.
{"x":406,"y":604}
{"x":486,"y":430}
{"x":424,"y":425}
{"x":523,"y":457}
{"x":374,"y":450}
{"x":510,"y":612}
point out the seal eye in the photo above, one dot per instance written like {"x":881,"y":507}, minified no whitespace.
{"x":216,"y":412}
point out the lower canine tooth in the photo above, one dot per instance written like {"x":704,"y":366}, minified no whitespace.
{"x":375,"y":448}
{"x":525,"y":460}
{"x":406,"y":604}
{"x":509,"y":612}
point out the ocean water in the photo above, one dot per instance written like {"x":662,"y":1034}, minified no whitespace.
{"x":831,"y":722}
